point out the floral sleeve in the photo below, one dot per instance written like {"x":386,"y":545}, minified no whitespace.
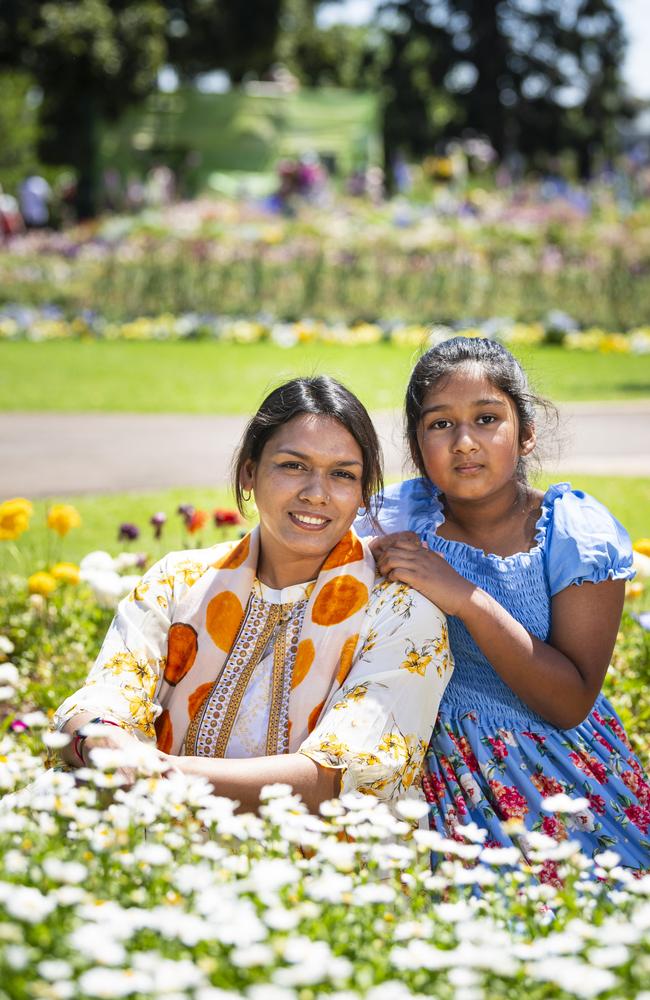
{"x":123,"y":682}
{"x":376,"y":727}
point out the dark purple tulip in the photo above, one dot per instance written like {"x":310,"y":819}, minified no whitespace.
{"x":186,"y":510}
{"x":157,"y":522}
{"x":128,"y":532}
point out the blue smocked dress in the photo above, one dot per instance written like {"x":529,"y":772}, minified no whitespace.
{"x":491,"y":757}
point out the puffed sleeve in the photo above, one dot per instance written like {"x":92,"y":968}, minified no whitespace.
{"x":376,"y":727}
{"x":583,"y":542}
{"x":124,"y":680}
{"x":408,"y":506}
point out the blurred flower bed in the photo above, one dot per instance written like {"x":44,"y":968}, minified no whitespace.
{"x":557,"y":328}
{"x":516,"y":253}
{"x":161,"y":889}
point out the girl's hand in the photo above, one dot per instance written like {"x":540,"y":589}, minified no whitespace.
{"x":402,"y":556}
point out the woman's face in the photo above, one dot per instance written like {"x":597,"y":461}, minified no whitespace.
{"x":308,"y":488}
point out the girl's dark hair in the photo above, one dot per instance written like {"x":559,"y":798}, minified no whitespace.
{"x":499,"y":366}
{"x":321,"y":396}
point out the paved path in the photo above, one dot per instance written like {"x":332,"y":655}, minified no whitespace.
{"x":47,"y":454}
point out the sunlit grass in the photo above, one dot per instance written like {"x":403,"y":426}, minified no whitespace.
{"x":225,"y":378}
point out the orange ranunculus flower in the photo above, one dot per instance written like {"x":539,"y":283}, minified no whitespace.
{"x":14,"y":517}
{"x":65,"y":572}
{"x":642,"y":545}
{"x":62,"y":517}
{"x":197,"y":521}
{"x":41,"y":583}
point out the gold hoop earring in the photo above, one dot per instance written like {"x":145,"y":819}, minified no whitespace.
{"x":245,"y":498}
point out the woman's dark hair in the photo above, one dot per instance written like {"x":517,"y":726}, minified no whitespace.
{"x":499,"y":366}
{"x":320,"y":396}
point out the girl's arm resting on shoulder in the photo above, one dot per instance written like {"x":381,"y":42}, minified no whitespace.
{"x":559,"y":679}
{"x":244,"y":779}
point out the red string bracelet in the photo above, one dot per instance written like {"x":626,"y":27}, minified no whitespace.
{"x":79,"y":737}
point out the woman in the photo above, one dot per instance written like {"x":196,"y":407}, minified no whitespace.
{"x":283,"y":658}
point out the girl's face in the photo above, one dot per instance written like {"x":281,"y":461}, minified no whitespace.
{"x":308,"y":488}
{"x":469,"y":436}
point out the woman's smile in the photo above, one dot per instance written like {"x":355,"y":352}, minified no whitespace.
{"x":309,"y":522}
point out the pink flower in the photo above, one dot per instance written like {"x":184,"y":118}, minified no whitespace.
{"x":511,"y":802}
{"x":434,"y":787}
{"x":639,"y":815}
{"x":617,"y":728}
{"x":590,"y":765}
{"x":635,"y":781}
{"x":535,"y":737}
{"x":466,"y":752}
{"x":597,"y":803}
{"x":603,"y":742}
{"x":499,"y":748}
{"x":548,"y":874}
{"x":552,"y":826}
{"x":546,"y":785}
{"x":447,"y":768}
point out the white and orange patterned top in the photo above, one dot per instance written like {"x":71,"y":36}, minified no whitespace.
{"x":374,"y":725}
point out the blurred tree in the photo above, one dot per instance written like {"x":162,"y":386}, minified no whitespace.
{"x":238,"y":36}
{"x":90,"y":59}
{"x":417,"y":110}
{"x":18,"y":128}
{"x":339,"y":56}
{"x":535,"y":76}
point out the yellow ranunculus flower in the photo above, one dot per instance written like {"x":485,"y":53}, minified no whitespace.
{"x":61,"y":517}
{"x":633,"y":590}
{"x":65,"y":572}
{"x":14,"y":517}
{"x":41,"y":583}
{"x":642,"y":545}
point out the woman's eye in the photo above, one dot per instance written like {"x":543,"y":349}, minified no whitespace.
{"x":344,"y":474}
{"x":291,"y":465}
{"x":486,"y":418}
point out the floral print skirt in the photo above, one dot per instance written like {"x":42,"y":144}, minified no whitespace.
{"x":480,"y":771}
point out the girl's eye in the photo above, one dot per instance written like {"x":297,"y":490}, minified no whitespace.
{"x":439,"y":425}
{"x":486,"y":418}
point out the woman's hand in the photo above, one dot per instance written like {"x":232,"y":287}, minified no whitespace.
{"x":402,"y":556}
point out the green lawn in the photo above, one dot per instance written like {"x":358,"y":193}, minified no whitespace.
{"x":627,"y":498}
{"x":201,"y":377}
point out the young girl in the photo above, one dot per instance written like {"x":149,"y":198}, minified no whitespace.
{"x":533,"y":584}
